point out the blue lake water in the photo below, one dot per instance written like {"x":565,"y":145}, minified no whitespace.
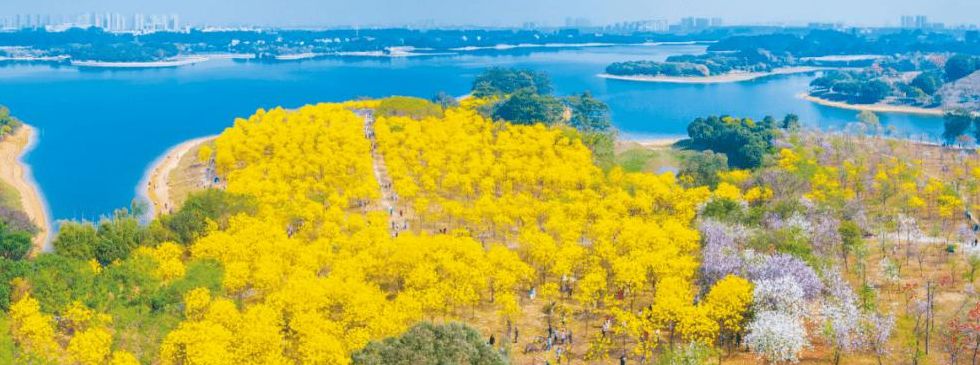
{"x":99,"y":129}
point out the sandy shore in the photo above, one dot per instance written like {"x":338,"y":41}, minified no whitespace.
{"x":877,"y":108}
{"x":155,"y":186}
{"x":714,"y":79}
{"x":155,"y":64}
{"x":16,"y":173}
{"x":653,"y":142}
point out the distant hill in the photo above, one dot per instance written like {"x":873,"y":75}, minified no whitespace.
{"x":963,"y":93}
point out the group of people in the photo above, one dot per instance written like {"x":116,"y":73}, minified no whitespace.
{"x":558,"y":341}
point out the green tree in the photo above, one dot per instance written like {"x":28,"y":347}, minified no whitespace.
{"x":955,"y":124}
{"x":873,"y":91}
{"x":703,"y":168}
{"x":9,"y":269}
{"x":527,"y":107}
{"x":852,"y":239}
{"x":744,"y":141}
{"x":588,"y":113}
{"x":928,"y":82}
{"x":959,"y":66}
{"x":14,"y":244}
{"x":119,"y":236}
{"x":501,"y":81}
{"x":429,"y":344}
{"x":76,"y":240}
{"x":870,"y":121}
{"x":445,"y":100}
{"x":790,"y":122}
{"x":191,"y":221}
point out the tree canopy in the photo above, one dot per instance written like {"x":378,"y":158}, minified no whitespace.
{"x":431,"y":344}
{"x":744,"y":141}
{"x":499,"y":81}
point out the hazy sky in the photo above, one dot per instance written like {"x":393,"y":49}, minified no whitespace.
{"x":510,"y":12}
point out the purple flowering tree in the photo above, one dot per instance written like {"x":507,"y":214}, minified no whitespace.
{"x":782,"y":295}
{"x":783,"y":265}
{"x":719,"y":255}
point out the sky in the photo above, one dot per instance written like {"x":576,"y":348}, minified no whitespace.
{"x":510,"y":12}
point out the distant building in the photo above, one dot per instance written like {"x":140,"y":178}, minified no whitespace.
{"x":908,"y":21}
{"x":921,"y":21}
{"x":692,"y":24}
{"x":577,"y":22}
{"x":825,"y":25}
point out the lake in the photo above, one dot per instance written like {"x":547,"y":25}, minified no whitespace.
{"x":99,"y":129}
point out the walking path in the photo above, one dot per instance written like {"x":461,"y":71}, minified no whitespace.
{"x":389,"y":199}
{"x":156,"y":185}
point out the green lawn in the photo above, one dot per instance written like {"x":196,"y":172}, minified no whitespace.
{"x":641,"y":159}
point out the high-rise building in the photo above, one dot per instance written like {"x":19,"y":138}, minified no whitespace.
{"x":921,"y":21}
{"x":577,"y":22}
{"x":908,"y":21}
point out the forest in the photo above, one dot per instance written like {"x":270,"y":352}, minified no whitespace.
{"x":410,"y":231}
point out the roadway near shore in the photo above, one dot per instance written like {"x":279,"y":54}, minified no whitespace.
{"x":17,"y":174}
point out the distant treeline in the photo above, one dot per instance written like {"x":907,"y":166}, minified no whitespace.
{"x":827,"y":42}
{"x":756,"y":60}
{"x":95,"y":44}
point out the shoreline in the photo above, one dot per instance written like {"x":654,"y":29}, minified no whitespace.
{"x":154,"y":188}
{"x":17,"y":173}
{"x":714,"y":79}
{"x":655,"y":142}
{"x":152,"y":64}
{"x":877,"y":108}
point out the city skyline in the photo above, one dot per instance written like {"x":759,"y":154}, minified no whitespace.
{"x":510,"y":13}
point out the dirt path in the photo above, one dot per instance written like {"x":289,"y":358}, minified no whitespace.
{"x":156,"y":187}
{"x":16,"y":173}
{"x":397,"y":214}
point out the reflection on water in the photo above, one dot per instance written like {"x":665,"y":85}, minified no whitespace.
{"x":100,"y":128}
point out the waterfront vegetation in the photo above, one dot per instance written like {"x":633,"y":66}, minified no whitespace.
{"x":902,"y":69}
{"x":94,"y":44}
{"x":8,"y":123}
{"x":505,"y":226}
{"x":918,"y":80}
{"x":701,"y":65}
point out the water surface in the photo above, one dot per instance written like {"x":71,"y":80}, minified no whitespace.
{"x":99,"y":129}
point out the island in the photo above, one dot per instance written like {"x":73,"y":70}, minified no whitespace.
{"x":916,"y":83}
{"x":742,"y":58}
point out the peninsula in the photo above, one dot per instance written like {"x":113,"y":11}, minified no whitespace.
{"x":17,"y":174}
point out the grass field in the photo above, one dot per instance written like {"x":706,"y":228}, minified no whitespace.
{"x":9,"y":197}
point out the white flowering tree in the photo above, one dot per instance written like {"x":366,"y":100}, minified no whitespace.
{"x":781,"y":294}
{"x":777,"y":337}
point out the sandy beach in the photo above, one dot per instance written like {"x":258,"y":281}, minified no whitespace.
{"x":877,"y":108}
{"x":654,"y":142}
{"x":16,"y":173}
{"x":714,"y":79}
{"x":182,"y":61}
{"x":156,"y":186}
